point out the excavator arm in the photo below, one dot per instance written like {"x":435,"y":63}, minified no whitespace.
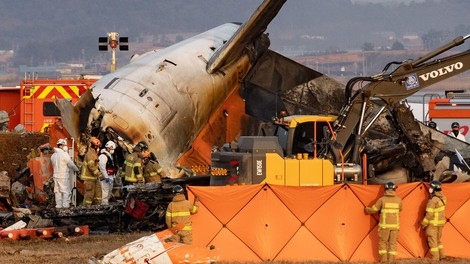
{"x":408,"y":78}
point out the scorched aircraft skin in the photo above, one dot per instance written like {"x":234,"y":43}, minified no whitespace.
{"x":167,"y":97}
{"x":187,"y":98}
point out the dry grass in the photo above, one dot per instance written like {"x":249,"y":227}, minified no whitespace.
{"x":80,"y":249}
{"x":65,"y":250}
{"x":409,"y":261}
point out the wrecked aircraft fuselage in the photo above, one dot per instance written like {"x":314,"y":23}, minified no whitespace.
{"x":164,"y":97}
{"x":168,"y":97}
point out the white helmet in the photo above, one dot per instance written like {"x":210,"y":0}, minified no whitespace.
{"x":62,"y":141}
{"x":110,"y":145}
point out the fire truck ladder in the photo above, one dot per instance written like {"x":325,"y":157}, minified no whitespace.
{"x":28,"y":105}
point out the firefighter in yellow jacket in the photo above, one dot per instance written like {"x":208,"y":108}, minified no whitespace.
{"x":435,"y":219}
{"x":91,"y":174}
{"x":133,"y":164}
{"x":179,"y":211}
{"x":389,"y":207}
{"x":152,"y":171}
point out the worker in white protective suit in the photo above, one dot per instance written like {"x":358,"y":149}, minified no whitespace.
{"x":61,"y":165}
{"x":107,"y":166}
{"x":456,"y":132}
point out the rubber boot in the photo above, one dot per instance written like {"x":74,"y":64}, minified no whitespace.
{"x":383,"y":258}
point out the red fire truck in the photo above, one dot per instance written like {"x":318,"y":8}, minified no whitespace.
{"x":455,"y":107}
{"x":33,"y":102}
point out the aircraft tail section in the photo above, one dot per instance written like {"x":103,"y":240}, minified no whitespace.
{"x":276,"y":83}
{"x":75,"y":118}
{"x":245,"y":35}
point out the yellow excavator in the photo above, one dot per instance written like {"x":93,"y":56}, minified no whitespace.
{"x":316,"y":150}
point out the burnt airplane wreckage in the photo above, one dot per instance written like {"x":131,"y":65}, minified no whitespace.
{"x":210,"y":89}
{"x":142,"y":209}
{"x":232,"y":62}
{"x":373,"y":120}
{"x":139,"y":207}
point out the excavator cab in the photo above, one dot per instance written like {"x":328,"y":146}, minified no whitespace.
{"x":294,"y":156}
{"x":305,"y":135}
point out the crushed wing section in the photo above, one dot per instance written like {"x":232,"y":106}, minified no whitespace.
{"x":277,"y":83}
{"x":246,"y":34}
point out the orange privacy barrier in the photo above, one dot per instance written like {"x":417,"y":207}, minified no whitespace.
{"x":282,"y":223}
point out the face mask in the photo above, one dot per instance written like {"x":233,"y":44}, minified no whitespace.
{"x":431,"y":190}
{"x":111,"y":151}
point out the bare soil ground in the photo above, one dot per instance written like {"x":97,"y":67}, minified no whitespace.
{"x":82,"y":249}
{"x":64,"y":250}
{"x":15,"y":147}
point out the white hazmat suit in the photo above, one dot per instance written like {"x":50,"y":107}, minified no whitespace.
{"x":459,"y":136}
{"x":107,"y":167}
{"x":61,"y":165}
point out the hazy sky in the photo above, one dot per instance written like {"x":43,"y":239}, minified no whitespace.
{"x":387,"y":1}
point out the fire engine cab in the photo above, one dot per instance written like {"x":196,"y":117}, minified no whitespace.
{"x":455,"y":107}
{"x":37,"y":106}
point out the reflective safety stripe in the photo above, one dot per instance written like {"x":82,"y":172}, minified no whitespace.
{"x":84,"y":175}
{"x":187,"y":228}
{"x":392,"y":205}
{"x":194,"y":209}
{"x":434,"y":249}
{"x":87,"y":178}
{"x":385,"y":226}
{"x":390,"y":208}
{"x":437,"y":222}
{"x":175,"y":214}
{"x":391,"y":211}
{"x":436,"y":211}
{"x":382,"y":252}
{"x":159,"y":170}
{"x":133,"y":177}
{"x":393,"y":253}
{"x":375,"y":208}
{"x":153,"y":174}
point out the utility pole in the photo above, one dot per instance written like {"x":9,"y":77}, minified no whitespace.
{"x":113,"y":41}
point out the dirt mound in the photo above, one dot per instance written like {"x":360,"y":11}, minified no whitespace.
{"x":15,"y":147}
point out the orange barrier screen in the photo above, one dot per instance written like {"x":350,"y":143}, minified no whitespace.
{"x":282,"y":223}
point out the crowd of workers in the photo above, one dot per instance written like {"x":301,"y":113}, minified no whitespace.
{"x":389,"y":207}
{"x":99,"y":173}
{"x":455,"y":126}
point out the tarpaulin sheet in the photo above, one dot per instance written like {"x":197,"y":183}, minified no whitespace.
{"x":282,"y":223}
